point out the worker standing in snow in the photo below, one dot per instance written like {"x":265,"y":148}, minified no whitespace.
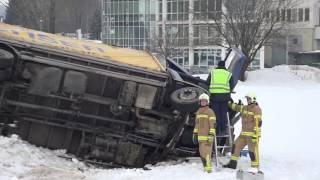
{"x":250,"y":134}
{"x":220,"y":82}
{"x":204,"y":131}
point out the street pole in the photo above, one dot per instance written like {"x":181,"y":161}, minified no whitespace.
{"x":40,"y":24}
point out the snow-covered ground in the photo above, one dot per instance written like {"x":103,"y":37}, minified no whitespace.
{"x":289,"y":97}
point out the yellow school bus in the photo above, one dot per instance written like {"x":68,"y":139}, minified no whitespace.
{"x":101,"y":52}
{"x":108,"y":105}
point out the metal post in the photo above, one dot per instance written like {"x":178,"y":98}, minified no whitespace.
{"x":216,"y":151}
{"x":229,"y":129}
{"x":40,"y":24}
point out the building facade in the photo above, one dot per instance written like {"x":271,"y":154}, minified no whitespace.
{"x":129,"y":23}
{"x":302,"y":33}
{"x":180,"y":29}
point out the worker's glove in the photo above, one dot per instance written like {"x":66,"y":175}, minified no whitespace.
{"x":210,"y":139}
{"x":195,"y":138}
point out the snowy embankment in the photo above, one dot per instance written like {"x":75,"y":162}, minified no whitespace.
{"x":289,"y":97}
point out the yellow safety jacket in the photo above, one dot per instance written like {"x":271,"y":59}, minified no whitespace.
{"x":205,"y":123}
{"x":251,"y":119}
{"x":220,"y":81}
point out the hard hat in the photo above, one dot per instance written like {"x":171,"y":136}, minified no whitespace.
{"x":204,"y":96}
{"x":252,"y":96}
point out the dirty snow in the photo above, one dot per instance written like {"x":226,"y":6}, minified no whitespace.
{"x":288,"y":96}
{"x":20,"y":160}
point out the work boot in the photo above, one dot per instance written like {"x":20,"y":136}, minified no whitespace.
{"x":232,"y":164}
{"x":203,"y":160}
{"x":208,"y":165}
{"x":209,"y":170}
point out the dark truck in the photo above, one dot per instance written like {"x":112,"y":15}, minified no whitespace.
{"x":104,"y":104}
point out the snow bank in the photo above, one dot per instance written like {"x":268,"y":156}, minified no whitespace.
{"x":303,"y":72}
{"x":292,"y":73}
{"x":289,"y":97}
{"x":293,"y":76}
{"x":20,"y":160}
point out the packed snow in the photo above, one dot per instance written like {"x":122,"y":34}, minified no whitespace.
{"x":289,"y":145}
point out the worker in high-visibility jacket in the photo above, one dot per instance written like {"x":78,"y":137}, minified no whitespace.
{"x":250,"y":134}
{"x":221,"y":84}
{"x":204,"y":131}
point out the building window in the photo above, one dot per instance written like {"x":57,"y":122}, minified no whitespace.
{"x":306,"y":14}
{"x":295,"y":41}
{"x":160,"y":10}
{"x":207,"y":9}
{"x":177,"y":10}
{"x":129,"y":23}
{"x":289,"y":15}
{"x":196,"y":59}
{"x":294,"y":15}
{"x":278,"y":15}
{"x":283,"y":15}
{"x":256,"y":62}
{"x":319,"y":16}
{"x":318,"y":44}
{"x":177,"y":35}
{"x":180,"y":56}
{"x":206,"y":58}
{"x":205,"y":35}
{"x":300,"y":14}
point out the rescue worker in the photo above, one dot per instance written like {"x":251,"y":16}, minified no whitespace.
{"x":204,"y":131}
{"x":220,"y":82}
{"x":250,"y":134}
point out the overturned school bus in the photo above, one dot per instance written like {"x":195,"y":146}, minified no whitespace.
{"x":116,"y":106}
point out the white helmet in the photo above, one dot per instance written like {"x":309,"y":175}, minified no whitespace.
{"x":204,"y":96}
{"x":252,"y":96}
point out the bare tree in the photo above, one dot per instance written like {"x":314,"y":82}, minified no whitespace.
{"x":250,"y":24}
{"x":95,"y":28}
{"x":52,"y":15}
{"x":166,"y":43}
{"x":35,"y":14}
{"x":171,"y":40}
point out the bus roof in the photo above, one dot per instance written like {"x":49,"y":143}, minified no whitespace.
{"x":102,"y":52}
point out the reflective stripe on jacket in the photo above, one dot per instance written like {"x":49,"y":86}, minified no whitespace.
{"x":251,"y":118}
{"x":204,"y":123}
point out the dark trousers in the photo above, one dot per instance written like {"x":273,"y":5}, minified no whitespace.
{"x":221,"y":109}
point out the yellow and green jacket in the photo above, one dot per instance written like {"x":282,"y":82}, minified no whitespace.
{"x":205,"y":123}
{"x":251,"y":118}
